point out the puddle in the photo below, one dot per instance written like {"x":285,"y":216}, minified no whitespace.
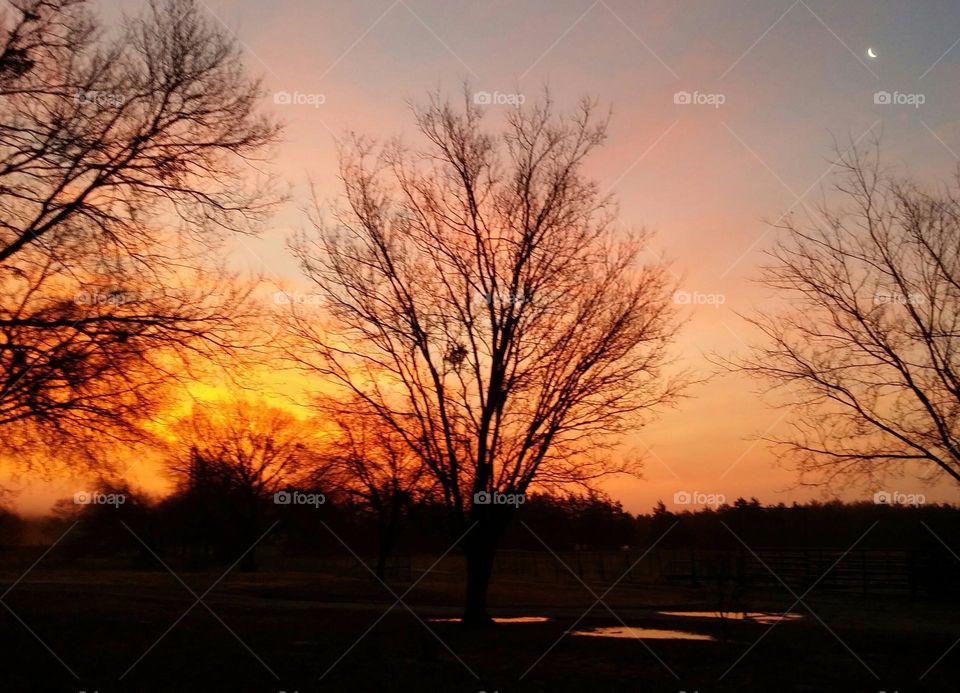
{"x":761,"y":617}
{"x":642,"y":634}
{"x":514,"y":619}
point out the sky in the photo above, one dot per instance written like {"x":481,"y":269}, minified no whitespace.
{"x":724,"y":119}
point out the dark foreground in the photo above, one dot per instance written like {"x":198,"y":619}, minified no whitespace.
{"x":145,"y":631}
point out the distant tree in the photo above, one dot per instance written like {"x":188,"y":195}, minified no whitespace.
{"x":377,"y":468}
{"x":240,"y":454}
{"x":125,"y":158}
{"x":744,"y":505}
{"x":100,"y":510}
{"x":590,"y":520}
{"x":13,"y":527}
{"x":480,"y":301}
{"x":867,"y":348}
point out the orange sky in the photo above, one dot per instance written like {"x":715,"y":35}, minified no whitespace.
{"x":704,"y":178}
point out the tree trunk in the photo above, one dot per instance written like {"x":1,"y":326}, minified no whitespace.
{"x":479,"y":570}
{"x":381,"y":567}
{"x":480,"y":547}
{"x":384,"y":546}
{"x":388,"y":531}
{"x":249,"y":537}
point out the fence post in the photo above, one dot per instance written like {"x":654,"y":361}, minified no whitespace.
{"x":863,"y":570}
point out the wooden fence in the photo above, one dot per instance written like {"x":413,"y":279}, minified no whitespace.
{"x":864,"y":571}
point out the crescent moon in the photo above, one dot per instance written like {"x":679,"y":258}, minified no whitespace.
{"x":871,"y":53}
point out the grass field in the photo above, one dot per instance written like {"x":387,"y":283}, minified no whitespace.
{"x":112,"y":630}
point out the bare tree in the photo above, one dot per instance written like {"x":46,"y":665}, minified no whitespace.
{"x":246,"y":451}
{"x":479,"y":300}
{"x":866,"y":349}
{"x":376,"y":467}
{"x":125,"y":158}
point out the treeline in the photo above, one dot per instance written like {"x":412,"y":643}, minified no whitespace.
{"x":195,"y":530}
{"x":596,"y":523}
{"x":814,"y":524}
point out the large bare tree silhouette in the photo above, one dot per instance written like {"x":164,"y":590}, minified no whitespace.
{"x":125,"y":158}
{"x":480,"y":301}
{"x":867,"y":346}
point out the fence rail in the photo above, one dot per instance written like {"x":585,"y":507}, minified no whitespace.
{"x":917,"y":572}
{"x":865,"y":571}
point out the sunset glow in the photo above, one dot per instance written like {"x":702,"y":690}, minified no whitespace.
{"x":516,"y":345}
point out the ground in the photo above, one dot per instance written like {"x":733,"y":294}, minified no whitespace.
{"x":120,"y":630}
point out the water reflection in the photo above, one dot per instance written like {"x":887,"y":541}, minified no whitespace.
{"x":642,"y":633}
{"x":512,"y":619}
{"x":761,"y":617}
